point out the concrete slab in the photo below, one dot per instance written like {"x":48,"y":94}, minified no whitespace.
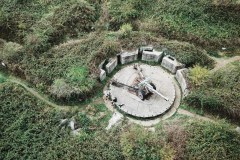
{"x":100,"y":66}
{"x":171,"y":64}
{"x":181,"y":76}
{"x":112,"y":64}
{"x":145,"y":48}
{"x":102,"y":75}
{"x":153,"y":56}
{"x":151,"y":107}
{"x":128,"y":57}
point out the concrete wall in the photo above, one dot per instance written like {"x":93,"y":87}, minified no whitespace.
{"x":181,"y":76}
{"x":112,"y":64}
{"x":153,"y":56}
{"x":127,"y":57}
{"x":171,"y":64}
{"x":102,"y":75}
{"x":100,"y":66}
{"x":146,"y":48}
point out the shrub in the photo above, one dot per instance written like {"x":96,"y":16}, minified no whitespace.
{"x":80,"y":79}
{"x":220,"y":93}
{"x":77,"y":75}
{"x":198,"y":75}
{"x":61,"y":89}
{"x":189,"y":54}
{"x":125,"y":30}
{"x":10,"y":52}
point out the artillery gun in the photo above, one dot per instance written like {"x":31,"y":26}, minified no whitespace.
{"x":143,"y":86}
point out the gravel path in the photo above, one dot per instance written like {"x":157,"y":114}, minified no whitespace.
{"x":222,"y":62}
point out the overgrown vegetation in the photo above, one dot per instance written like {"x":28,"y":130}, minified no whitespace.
{"x":57,"y":45}
{"x":205,"y":22}
{"x":214,"y":141}
{"x":31,"y":130}
{"x":220,"y":93}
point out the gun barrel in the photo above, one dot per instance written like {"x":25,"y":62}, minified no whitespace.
{"x":151,"y":89}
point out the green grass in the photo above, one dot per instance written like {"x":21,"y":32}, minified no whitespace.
{"x":192,"y":109}
{"x":2,"y":78}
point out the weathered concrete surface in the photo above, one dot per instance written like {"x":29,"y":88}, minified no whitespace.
{"x":116,"y":118}
{"x":127,"y":57}
{"x":112,"y":64}
{"x":151,"y":107}
{"x":100,"y":66}
{"x":102,"y":75}
{"x":146,"y":48}
{"x":171,"y":64}
{"x":181,"y":76}
{"x":154,"y":121}
{"x":153,"y":56}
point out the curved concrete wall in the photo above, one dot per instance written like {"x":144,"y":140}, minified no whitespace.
{"x":182,"y":79}
{"x":171,"y":64}
{"x":148,"y":54}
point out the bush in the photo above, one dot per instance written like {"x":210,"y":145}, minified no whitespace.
{"x":220,"y":93}
{"x":61,"y":89}
{"x":189,"y":54}
{"x":79,"y":77}
{"x":10,"y":52}
{"x":125,"y":30}
{"x":198,"y":75}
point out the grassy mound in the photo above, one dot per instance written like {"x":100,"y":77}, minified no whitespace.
{"x":220,"y":93}
{"x":42,"y":23}
{"x":69,"y":71}
{"x":203,"y":22}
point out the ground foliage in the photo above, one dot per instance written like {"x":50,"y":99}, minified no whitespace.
{"x":220,"y":93}
{"x":209,"y":23}
{"x":31,"y":130}
{"x":57,"y":46}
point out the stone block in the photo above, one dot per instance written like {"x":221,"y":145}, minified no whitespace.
{"x":171,"y":64}
{"x":102,"y":75}
{"x":101,"y":64}
{"x":127,"y":57}
{"x":153,"y":56}
{"x":112,"y":64}
{"x":181,"y":76}
{"x":146,"y":48}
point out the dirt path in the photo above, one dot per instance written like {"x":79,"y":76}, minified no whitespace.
{"x":222,"y":62}
{"x":187,"y":113}
{"x":39,"y":96}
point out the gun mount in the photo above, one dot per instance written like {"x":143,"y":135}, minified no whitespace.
{"x":142,"y":91}
{"x":143,"y":86}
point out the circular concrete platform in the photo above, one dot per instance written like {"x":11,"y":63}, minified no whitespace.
{"x":155,"y":105}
